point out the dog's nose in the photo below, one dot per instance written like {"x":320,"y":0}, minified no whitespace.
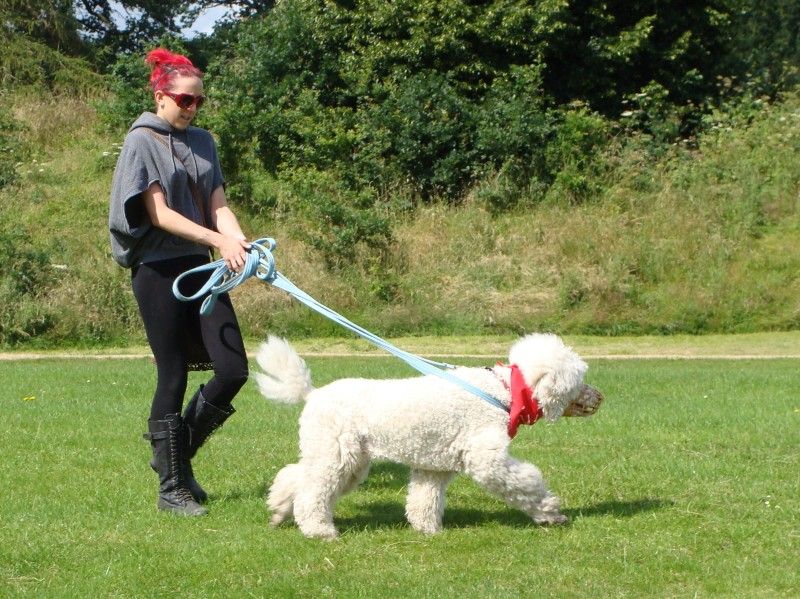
{"x":586,"y":404}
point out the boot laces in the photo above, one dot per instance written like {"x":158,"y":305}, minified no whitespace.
{"x":182,"y":493}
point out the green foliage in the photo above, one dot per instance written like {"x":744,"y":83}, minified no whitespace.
{"x":514,"y":124}
{"x":130,"y":96}
{"x":423,"y":131}
{"x":335,"y":220}
{"x":763,"y":51}
{"x":574,"y":156}
{"x":695,"y":240}
{"x":556,"y":147}
{"x":431,"y":99}
{"x":11,"y":148}
{"x":605,"y":52}
{"x":26,"y":62}
{"x":24,"y":281}
{"x":48,"y":22}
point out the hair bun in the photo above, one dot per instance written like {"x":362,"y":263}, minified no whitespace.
{"x":161,"y":57}
{"x":165,"y":66}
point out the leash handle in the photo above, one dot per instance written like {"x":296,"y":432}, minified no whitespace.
{"x":259,"y":263}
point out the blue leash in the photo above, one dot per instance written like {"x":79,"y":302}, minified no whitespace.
{"x":261,"y":264}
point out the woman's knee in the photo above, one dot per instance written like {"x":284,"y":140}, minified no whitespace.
{"x":172,"y":382}
{"x":232,"y":376}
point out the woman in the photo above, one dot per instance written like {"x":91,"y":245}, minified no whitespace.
{"x":167,"y":211}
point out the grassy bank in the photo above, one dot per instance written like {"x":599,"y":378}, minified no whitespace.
{"x":697,"y":241}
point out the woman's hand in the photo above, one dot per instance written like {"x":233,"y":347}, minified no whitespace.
{"x":234,"y":251}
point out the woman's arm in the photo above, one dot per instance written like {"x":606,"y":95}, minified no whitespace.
{"x":222,"y":217}
{"x":230,"y":243}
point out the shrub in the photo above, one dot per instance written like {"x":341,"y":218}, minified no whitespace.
{"x":428,"y":97}
{"x":131,"y":95}
{"x":512,"y":131}
{"x":24,"y":280}
{"x":423,"y":129}
{"x":340,"y":223}
{"x":11,"y":149}
{"x":25,"y":62}
{"x":573,"y":156}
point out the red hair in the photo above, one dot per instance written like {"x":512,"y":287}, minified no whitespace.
{"x":166,"y":66}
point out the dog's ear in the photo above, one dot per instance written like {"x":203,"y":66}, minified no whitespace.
{"x":566,"y":380}
{"x":540,"y":355}
{"x":552,"y":400}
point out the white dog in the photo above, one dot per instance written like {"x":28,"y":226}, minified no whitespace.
{"x":432,"y":425}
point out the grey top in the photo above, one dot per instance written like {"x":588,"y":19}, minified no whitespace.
{"x":145,"y":160}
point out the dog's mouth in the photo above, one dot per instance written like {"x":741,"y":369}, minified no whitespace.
{"x":586,"y":404}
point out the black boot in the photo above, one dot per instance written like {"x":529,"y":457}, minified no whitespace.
{"x":202,"y":419}
{"x":168,"y":439}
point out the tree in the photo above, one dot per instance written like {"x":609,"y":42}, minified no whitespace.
{"x":764,"y":45}
{"x":111,"y":32}
{"x":51,"y":22}
{"x":403,"y":91}
{"x":129,"y":25}
{"x":42,"y":47}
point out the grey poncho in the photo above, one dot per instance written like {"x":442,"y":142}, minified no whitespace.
{"x":145,"y":160}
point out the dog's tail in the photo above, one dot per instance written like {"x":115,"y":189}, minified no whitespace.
{"x":285,"y":377}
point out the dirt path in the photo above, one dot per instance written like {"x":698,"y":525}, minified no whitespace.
{"x":748,"y":346}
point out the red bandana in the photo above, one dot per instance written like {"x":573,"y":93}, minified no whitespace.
{"x":524,"y":406}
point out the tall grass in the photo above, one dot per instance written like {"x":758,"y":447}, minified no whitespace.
{"x":700,"y":246}
{"x":685,"y":483}
{"x":697,"y":241}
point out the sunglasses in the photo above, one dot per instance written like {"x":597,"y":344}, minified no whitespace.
{"x":186,"y":101}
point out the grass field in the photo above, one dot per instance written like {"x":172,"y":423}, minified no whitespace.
{"x":685,"y":484}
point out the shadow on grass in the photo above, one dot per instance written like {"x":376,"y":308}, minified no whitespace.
{"x":256,"y":492}
{"x":620,"y":509}
{"x":389,"y":476}
{"x":391,"y":514}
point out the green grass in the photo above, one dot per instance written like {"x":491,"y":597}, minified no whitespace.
{"x":685,"y":484}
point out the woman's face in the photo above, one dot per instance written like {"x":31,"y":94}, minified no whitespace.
{"x":167,"y":101}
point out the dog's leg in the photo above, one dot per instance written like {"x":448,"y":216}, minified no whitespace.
{"x":519,"y":484}
{"x":331,"y":467}
{"x":281,"y":494}
{"x":425,"y":503}
{"x":313,"y":503}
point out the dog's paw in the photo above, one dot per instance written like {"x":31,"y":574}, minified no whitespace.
{"x":548,"y":513}
{"x":276,"y":520}
{"x":551,"y":519}
{"x":426,"y":528}
{"x":325,"y":533}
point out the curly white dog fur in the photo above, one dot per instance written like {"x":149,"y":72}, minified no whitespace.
{"x":432,"y":425}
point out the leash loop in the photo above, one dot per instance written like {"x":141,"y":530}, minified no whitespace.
{"x":261,"y":263}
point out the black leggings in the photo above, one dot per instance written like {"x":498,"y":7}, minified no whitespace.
{"x":169,"y":323}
